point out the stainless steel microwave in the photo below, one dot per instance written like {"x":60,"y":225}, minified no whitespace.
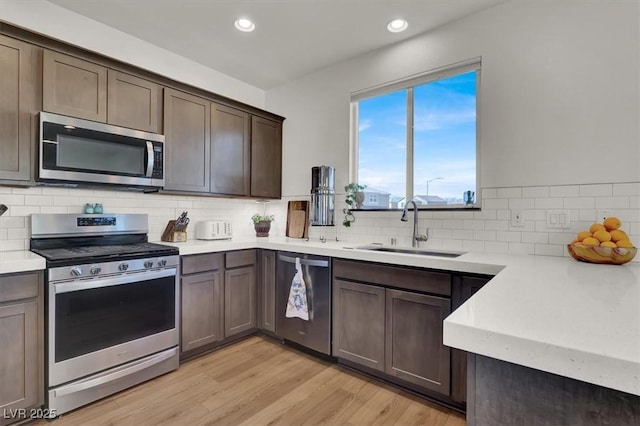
{"x":86,"y":152}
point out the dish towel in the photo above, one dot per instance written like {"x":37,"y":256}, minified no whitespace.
{"x":297,"y":305}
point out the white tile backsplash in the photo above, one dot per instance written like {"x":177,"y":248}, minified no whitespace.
{"x":490,"y":229}
{"x":486,"y":230}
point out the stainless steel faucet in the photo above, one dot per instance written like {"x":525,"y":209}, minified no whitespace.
{"x":415,"y":239}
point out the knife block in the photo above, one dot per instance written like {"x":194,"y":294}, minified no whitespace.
{"x":170,"y":235}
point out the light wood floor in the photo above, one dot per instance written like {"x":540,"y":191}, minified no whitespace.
{"x":260,"y":382}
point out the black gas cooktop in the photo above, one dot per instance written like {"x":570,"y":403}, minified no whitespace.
{"x":106,"y":251}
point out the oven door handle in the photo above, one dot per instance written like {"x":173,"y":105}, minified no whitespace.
{"x":95,"y":382}
{"x":117,"y":280}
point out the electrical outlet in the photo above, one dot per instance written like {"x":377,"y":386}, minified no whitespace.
{"x":517,"y":218}
{"x":601,"y":214}
{"x":558,"y":219}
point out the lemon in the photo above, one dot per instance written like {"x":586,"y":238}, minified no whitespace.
{"x":624,"y":244}
{"x":618,"y":235}
{"x":612,"y":223}
{"x":590,"y":241}
{"x":602,"y":236}
{"x":608,"y":244}
{"x":597,"y":227}
{"x":584,"y":234}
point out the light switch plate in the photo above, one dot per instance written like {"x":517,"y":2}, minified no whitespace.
{"x":558,"y":219}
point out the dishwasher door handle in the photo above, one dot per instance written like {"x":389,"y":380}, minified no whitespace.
{"x":308,"y":262}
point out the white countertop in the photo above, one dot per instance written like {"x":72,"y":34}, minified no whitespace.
{"x":558,"y":315}
{"x":20,"y":261}
{"x":554,"y":314}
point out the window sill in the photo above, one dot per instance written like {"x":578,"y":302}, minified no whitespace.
{"x":426,"y":209}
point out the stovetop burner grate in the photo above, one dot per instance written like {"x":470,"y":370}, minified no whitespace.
{"x":104,"y":252}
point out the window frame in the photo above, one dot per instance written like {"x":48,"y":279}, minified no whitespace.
{"x":408,"y":83}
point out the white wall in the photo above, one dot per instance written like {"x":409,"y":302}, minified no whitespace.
{"x":56,"y":22}
{"x":559,"y":98}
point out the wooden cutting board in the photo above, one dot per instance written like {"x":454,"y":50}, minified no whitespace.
{"x":298,"y":219}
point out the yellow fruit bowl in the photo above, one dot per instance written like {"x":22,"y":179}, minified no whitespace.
{"x":597,"y":254}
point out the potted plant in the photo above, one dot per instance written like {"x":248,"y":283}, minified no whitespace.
{"x":354,"y":199}
{"x":262,"y":224}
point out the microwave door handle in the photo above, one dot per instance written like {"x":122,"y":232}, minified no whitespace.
{"x":150,"y":159}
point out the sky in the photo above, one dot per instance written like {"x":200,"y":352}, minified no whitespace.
{"x":444,"y":139}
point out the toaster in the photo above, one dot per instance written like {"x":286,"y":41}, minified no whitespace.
{"x":213,"y":230}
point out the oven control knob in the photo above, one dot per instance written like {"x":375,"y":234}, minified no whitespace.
{"x":162,"y":262}
{"x":95,"y":270}
{"x":148,"y":264}
{"x":123,"y":266}
{"x":76,"y":272}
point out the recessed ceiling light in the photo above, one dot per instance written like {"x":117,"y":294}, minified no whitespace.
{"x":397,"y":25}
{"x":243,"y":24}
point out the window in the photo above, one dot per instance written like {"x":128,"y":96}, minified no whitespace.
{"x":417,"y":139}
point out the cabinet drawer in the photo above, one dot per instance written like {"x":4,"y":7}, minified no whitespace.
{"x":16,"y":287}
{"x":201,"y":262}
{"x":394,"y":276}
{"x":235,"y":259}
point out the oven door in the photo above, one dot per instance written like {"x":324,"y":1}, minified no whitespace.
{"x":84,"y":151}
{"x":100,"y":323}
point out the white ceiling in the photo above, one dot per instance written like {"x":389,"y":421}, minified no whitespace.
{"x":292,"y":37}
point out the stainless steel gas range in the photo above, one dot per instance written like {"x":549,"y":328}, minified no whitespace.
{"x":111,"y":305}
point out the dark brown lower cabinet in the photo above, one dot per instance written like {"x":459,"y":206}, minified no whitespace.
{"x":21,"y":344}
{"x":239,"y":300}
{"x":267,"y":291}
{"x":463,"y":288}
{"x":359,"y":323}
{"x":218,"y":299}
{"x":384,"y":322}
{"x":413,"y":346}
{"x":202,"y":305}
{"x":511,"y":394}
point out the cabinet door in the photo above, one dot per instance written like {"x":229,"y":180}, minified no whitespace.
{"x":74,"y":87}
{"x":18,"y":94}
{"x":414,"y":351}
{"x":187,"y":131}
{"x":19,"y":372}
{"x":358,"y":323}
{"x":230,"y":151}
{"x":463,"y":289}
{"x":267,"y":290}
{"x":239,"y":300}
{"x":134,"y":102}
{"x":266,"y":158}
{"x":202,"y":305}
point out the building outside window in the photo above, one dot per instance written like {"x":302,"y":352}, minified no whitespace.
{"x":418,"y":139}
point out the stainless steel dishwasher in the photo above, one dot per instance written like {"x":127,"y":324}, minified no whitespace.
{"x":316,"y":332}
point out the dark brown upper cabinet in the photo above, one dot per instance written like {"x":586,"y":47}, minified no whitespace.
{"x":82,"y":89}
{"x":230,"y":150}
{"x":19,"y":104}
{"x":266,"y":158}
{"x":134,"y":102}
{"x":187,"y":144}
{"x":74,"y":87}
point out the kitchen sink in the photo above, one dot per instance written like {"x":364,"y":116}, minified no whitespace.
{"x":408,"y":250}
